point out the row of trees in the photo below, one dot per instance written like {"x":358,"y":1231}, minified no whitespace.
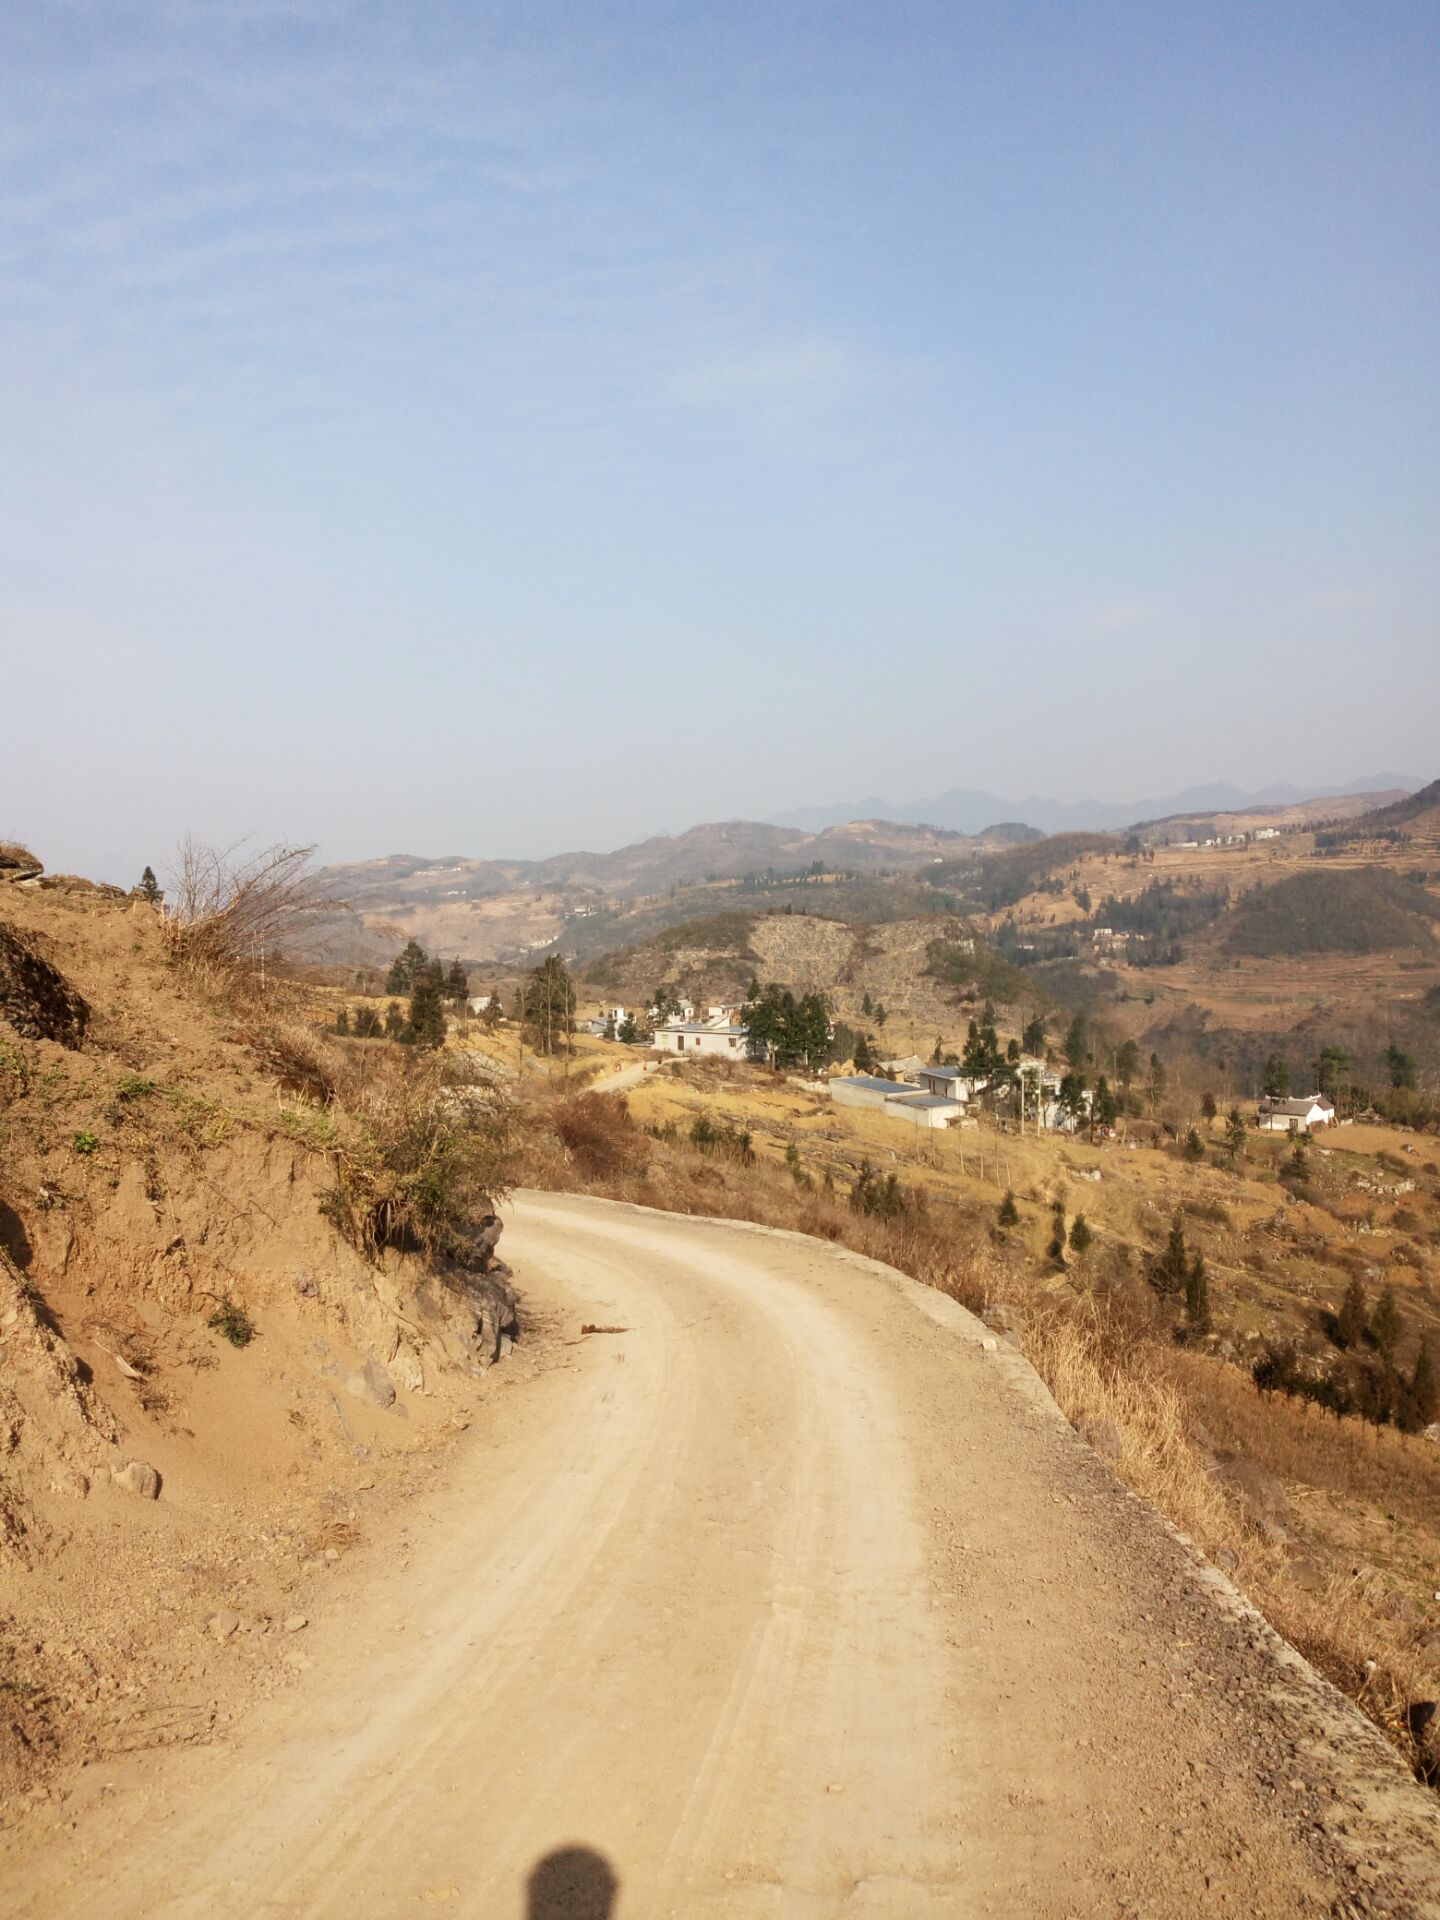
{"x":1334,"y":1075}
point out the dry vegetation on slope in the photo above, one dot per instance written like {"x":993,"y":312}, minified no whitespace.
{"x":205,"y":1385}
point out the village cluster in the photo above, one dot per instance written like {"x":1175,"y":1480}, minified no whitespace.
{"x":916,"y":1092}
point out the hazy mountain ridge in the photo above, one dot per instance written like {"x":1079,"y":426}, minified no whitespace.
{"x":970,"y":810}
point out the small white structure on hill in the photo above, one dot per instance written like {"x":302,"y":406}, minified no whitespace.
{"x":1296,"y":1116}
{"x":924,"y":1109}
{"x":687,"y":1036}
{"x":867,"y":1090}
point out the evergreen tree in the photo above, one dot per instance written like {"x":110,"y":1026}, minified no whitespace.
{"x":426,"y":1026}
{"x":1077,"y":1044}
{"x":865,"y":1060}
{"x":1170,"y":1272}
{"x":867,"y":1005}
{"x":1332,"y":1071}
{"x":1032,"y":1039}
{"x":881,"y":1016}
{"x":490,"y":1012}
{"x":1194,"y":1145}
{"x":1127,"y":1065}
{"x":1080,"y":1235}
{"x":938,"y":1054}
{"x":1275,"y":1082}
{"x":1387,"y":1327}
{"x":1104,"y":1108}
{"x":1197,"y":1299}
{"x":1235,"y":1134}
{"x":627,"y":1031}
{"x":1401,"y":1065}
{"x":405,"y":967}
{"x":1009,"y":1213}
{"x":1424,"y":1393}
{"x":609,"y":1032}
{"x":1354,"y":1312}
{"x":150,"y":887}
{"x":549,"y":1007}
{"x":1073,"y":1096}
{"x":457,"y":983}
{"x":1208,"y":1108}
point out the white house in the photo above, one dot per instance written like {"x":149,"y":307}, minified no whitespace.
{"x":950,"y":1083}
{"x":687,"y":1036}
{"x":1296,"y":1116}
{"x":867,"y":1090}
{"x":924,"y":1109}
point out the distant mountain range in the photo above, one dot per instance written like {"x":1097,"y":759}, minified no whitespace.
{"x":972,"y":810}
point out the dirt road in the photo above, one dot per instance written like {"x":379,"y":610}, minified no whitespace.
{"x":779,"y":1596}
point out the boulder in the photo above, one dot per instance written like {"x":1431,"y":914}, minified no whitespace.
{"x":137,"y":1477}
{"x":1264,"y":1500}
{"x":372,"y":1384}
{"x":1101,"y":1434}
{"x":465,"y":1314}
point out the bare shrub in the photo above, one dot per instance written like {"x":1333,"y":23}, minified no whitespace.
{"x":598,"y":1132}
{"x":418,"y":1162}
{"x":226,"y":918}
{"x":296,"y":1056}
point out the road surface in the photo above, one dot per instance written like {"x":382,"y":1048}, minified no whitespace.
{"x":784,"y":1598}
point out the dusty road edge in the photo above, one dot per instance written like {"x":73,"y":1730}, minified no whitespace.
{"x":1384,"y":1821}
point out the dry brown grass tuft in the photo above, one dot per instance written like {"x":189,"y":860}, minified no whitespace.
{"x":227,"y":920}
{"x":417,"y":1162}
{"x":599,"y":1134}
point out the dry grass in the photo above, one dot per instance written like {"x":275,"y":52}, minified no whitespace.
{"x":227,"y":920}
{"x":417,"y":1161}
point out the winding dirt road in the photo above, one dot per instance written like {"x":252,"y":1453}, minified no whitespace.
{"x":785,"y":1598}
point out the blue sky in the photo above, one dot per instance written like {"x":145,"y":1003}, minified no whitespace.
{"x":499,"y":429}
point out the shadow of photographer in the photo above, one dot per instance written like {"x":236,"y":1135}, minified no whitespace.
{"x":572,"y":1883}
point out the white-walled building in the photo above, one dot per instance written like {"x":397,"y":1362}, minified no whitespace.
{"x":687,"y":1036}
{"x":924,"y":1109}
{"x":1296,"y":1116}
{"x":867,"y":1090}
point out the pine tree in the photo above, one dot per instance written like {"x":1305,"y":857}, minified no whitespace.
{"x":1235,"y":1134}
{"x":1032,"y":1039}
{"x":627,"y":1031}
{"x":405,"y":967}
{"x":1155,"y":1081}
{"x":1170,"y":1272}
{"x":1197,"y":1299}
{"x":1424,"y":1387}
{"x":1194,"y":1145}
{"x":939,"y":1052}
{"x":1080,"y":1235}
{"x":1275,"y":1083}
{"x":1077,"y":1045}
{"x":1008,"y":1214}
{"x":1127,"y":1065}
{"x":457,"y":983}
{"x":1104,"y":1111}
{"x":1354,"y":1313}
{"x":427,"y":1008}
{"x":549,"y":1005}
{"x":1387,"y":1327}
{"x":1208,"y":1108}
{"x":150,"y":887}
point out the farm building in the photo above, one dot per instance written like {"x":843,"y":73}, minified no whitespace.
{"x":951,"y":1083}
{"x":867,"y":1090}
{"x":924,"y":1109}
{"x":684,"y":1036}
{"x":1296,"y":1116}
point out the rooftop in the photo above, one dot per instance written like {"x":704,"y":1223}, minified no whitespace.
{"x":873,"y":1083}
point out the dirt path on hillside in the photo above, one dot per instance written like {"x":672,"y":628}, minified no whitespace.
{"x":782,"y":1596}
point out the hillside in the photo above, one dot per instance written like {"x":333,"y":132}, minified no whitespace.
{"x":208,"y":1389}
{"x":504,"y":910}
{"x":1370,"y":912}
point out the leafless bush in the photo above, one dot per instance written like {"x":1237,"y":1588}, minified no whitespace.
{"x":227,"y":918}
{"x":598,"y":1132}
{"x":296,"y":1056}
{"x":417,"y":1162}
